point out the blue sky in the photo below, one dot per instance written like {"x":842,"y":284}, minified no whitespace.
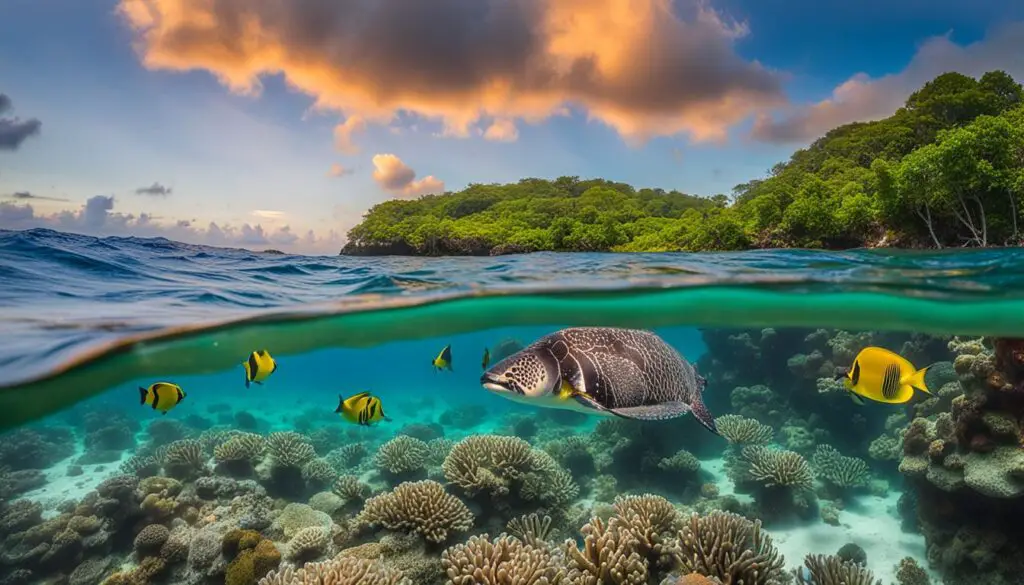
{"x":162,"y":117}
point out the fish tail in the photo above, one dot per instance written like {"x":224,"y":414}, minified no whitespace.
{"x":703,"y":415}
{"x":916,"y":380}
{"x":341,"y":405}
{"x":142,"y":395}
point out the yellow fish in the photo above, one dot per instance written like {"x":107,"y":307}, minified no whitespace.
{"x":443,"y":359}
{"x":162,"y":396}
{"x":487,"y":358}
{"x":883,"y":376}
{"x":258,"y":367}
{"x":361,"y":409}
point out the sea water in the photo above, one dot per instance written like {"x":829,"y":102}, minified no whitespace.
{"x":90,"y":493}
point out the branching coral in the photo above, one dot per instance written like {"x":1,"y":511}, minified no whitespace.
{"x":531,"y":529}
{"x":744,"y":431}
{"x":503,"y":561}
{"x":776,"y":467}
{"x":340,"y":571}
{"x":241,"y":449}
{"x":487,"y":463}
{"x":289,"y":449}
{"x":184,"y":459}
{"x":318,"y":473}
{"x":832,"y":570}
{"x":439,"y":450}
{"x":141,"y":466}
{"x":350,"y":489}
{"x":346,"y":457}
{"x":731,"y":548}
{"x":421,"y":507}
{"x":839,"y":470}
{"x":609,"y":555}
{"x":683,"y":461}
{"x":309,"y":542}
{"x":402,"y":456}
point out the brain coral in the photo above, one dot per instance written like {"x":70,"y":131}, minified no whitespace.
{"x":504,"y":561}
{"x":421,"y":507}
{"x":340,"y":571}
{"x":401,"y":455}
{"x":151,"y":538}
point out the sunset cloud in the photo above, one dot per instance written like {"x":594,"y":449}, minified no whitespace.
{"x":98,"y":218}
{"x":396,"y":177}
{"x":640,"y":66}
{"x":861,"y":98}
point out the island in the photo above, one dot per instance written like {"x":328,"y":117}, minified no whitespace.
{"x":947,"y":169}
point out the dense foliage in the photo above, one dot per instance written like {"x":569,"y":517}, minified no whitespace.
{"x":947,"y":169}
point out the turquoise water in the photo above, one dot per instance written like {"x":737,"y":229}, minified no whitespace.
{"x":88,"y":321}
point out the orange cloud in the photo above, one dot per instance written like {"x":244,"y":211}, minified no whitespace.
{"x":640,"y":66}
{"x":395,"y":176}
{"x":502,"y":130}
{"x":343,"y":134}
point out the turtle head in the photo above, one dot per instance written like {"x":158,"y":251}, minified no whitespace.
{"x":530,"y":373}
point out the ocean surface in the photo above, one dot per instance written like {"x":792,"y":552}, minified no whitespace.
{"x":85,"y":322}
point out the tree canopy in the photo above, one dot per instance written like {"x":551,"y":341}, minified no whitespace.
{"x":947,"y":169}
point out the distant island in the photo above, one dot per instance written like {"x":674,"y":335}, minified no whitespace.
{"x":946,"y":170}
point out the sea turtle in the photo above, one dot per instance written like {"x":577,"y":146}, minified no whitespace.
{"x":607,"y":371}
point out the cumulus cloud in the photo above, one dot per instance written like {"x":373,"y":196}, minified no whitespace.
{"x":337,"y":170}
{"x":396,"y":177}
{"x":99,"y":218}
{"x":343,"y":134}
{"x":14,"y":131}
{"x":861,"y":98}
{"x":154,"y":189}
{"x":502,"y":130}
{"x":644,"y":67}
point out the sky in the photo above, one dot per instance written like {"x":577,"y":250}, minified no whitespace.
{"x":273,"y":124}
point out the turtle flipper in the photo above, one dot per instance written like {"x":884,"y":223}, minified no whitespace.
{"x":662,"y":411}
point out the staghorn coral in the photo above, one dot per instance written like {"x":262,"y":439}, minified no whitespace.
{"x":654,"y":521}
{"x":839,"y":470}
{"x":744,"y":431}
{"x":503,"y":561}
{"x":531,"y":529}
{"x":730,"y":548}
{"x":340,"y":571}
{"x":184,"y":459}
{"x":832,"y":570}
{"x":402,"y":456}
{"x":776,"y":467}
{"x":609,"y":555}
{"x":422,"y":508}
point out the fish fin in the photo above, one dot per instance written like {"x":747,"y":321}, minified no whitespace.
{"x":703,"y":415}
{"x":164,"y":413}
{"x":357,"y":396}
{"x":386,"y":417}
{"x":856,"y":398}
{"x":591,"y":403}
{"x":916,"y":380}
{"x":841,"y":375}
{"x":257,"y":382}
{"x":142,"y":395}
{"x":341,"y":405}
{"x":181,"y":394}
{"x":275,"y":367}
